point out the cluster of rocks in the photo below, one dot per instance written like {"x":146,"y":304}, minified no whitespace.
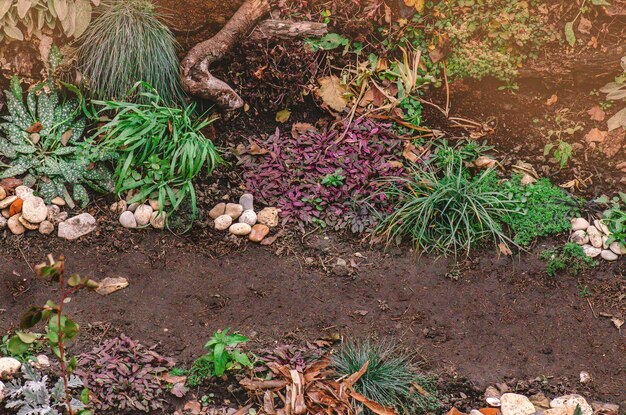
{"x":594,"y":239}
{"x":23,"y":211}
{"x":137,"y":215}
{"x":501,"y":401}
{"x":248,"y":222}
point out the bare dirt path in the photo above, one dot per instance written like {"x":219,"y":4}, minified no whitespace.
{"x":501,"y":318}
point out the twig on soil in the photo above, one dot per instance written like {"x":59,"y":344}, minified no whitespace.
{"x":25,"y":260}
{"x":591,"y":307}
{"x":308,"y":233}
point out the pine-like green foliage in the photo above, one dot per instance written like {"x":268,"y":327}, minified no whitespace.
{"x":389,"y":378}
{"x":127,"y":44}
{"x":43,"y":141}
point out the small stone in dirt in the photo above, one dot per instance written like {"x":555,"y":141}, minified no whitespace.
{"x":34,"y":210}
{"x":580,"y":237}
{"x":591,"y":251}
{"x":605,"y":408}
{"x":24,"y":192}
{"x":540,"y":401}
{"x":223,"y":222}
{"x":595,"y":237}
{"x":6,"y":202}
{"x":15,"y":225}
{"x":77,"y":226}
{"x":608,"y":255}
{"x":570,"y":402}
{"x":5,"y":213}
{"x":584,"y":377}
{"x":247,"y":201}
{"x":309,"y":260}
{"x":492,"y":396}
{"x":268,"y":216}
{"x":234,"y":210}
{"x":615,"y":247}
{"x":28,"y":225}
{"x":3,"y":193}
{"x":9,"y":367}
{"x":516,"y":404}
{"x":579,"y":224}
{"x":119,"y":207}
{"x":143,"y":214}
{"x":248,"y":216}
{"x":240,"y":229}
{"x":157,"y":220}
{"x":218,"y":210}
{"x":42,"y":361}
{"x":127,"y":219}
{"x":133,"y":206}
{"x":601,"y":227}
{"x":154,"y":204}
{"x":59,"y":201}
{"x":3,"y":222}
{"x":259,"y":231}
{"x":55,"y":215}
{"x":46,"y":227}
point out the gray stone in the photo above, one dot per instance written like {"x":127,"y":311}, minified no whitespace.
{"x":223,"y":222}
{"x":127,"y":220}
{"x":570,"y":402}
{"x":591,"y":251}
{"x":515,"y":404}
{"x":249,"y":217}
{"x":608,"y":255}
{"x":234,"y":210}
{"x":143,"y":213}
{"x":247,"y":201}
{"x":9,"y":367}
{"x":34,"y":210}
{"x":580,"y":237}
{"x":46,"y":227}
{"x":579,"y":224}
{"x":78,"y":226}
{"x":24,"y":192}
{"x":240,"y":229}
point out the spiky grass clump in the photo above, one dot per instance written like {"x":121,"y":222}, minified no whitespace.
{"x":390,"y":378}
{"x":446,"y":211}
{"x":127,"y":44}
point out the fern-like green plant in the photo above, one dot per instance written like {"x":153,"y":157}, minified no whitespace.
{"x":127,"y":44}
{"x":43,"y":141}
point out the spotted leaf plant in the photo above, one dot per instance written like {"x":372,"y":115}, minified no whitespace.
{"x":42,"y":137}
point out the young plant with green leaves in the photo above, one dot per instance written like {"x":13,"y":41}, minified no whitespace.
{"x":43,"y":141}
{"x":562,"y":152}
{"x":446,"y":211}
{"x":158,"y":150}
{"x":614,"y":217}
{"x":223,"y":354}
{"x":541,"y":209}
{"x":570,"y":257}
{"x":127,"y":44}
{"x":60,"y":329}
{"x":389,"y":379}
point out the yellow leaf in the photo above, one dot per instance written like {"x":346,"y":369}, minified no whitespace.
{"x":283,"y":116}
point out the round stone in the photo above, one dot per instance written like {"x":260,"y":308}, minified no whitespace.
{"x":591,"y":251}
{"x":249,"y":217}
{"x":143,"y":213}
{"x":59,"y":201}
{"x":34,"y":209}
{"x":247,"y":201}
{"x":615,"y":247}
{"x":240,"y":229}
{"x":608,"y":255}
{"x":15,"y":226}
{"x":28,"y":225}
{"x":579,"y":224}
{"x":46,"y":227}
{"x":9,"y":367}
{"x":223,"y":222}
{"x":157,"y":220}
{"x":580,"y":237}
{"x":24,"y":192}
{"x":127,"y":219}
{"x":217,"y":211}
{"x":233,"y":210}
{"x":259,"y":231}
{"x":6,"y":202}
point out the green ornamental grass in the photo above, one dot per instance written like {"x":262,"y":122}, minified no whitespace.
{"x":127,"y":44}
{"x":390,"y":376}
{"x":446,"y":211}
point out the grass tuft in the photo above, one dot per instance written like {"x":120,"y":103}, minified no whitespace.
{"x":127,"y":44}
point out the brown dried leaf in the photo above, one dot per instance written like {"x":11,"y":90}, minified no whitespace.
{"x":372,"y":405}
{"x":596,"y":113}
{"x":353,"y":378}
{"x":584,"y":26}
{"x":409,"y":152}
{"x":595,"y":136}
{"x":504,"y":249}
{"x":35,"y":128}
{"x":110,"y":285}
{"x":299,"y":128}
{"x":552,"y":100}
{"x":332,"y":93}
{"x":66,"y":136}
{"x":257,"y":150}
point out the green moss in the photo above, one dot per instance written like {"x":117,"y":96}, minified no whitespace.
{"x":541,"y":209}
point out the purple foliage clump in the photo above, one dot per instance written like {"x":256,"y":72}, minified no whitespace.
{"x":294,"y":174}
{"x":123,"y":375}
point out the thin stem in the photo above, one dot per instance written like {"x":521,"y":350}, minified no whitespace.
{"x":64,"y":294}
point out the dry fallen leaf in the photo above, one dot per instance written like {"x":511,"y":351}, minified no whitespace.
{"x":110,"y":285}
{"x":595,"y":136}
{"x":66,"y":136}
{"x":596,"y":113}
{"x":299,"y":128}
{"x":257,"y":150}
{"x":504,"y":249}
{"x":584,"y":26}
{"x":192,"y":407}
{"x":618,"y":322}
{"x":283,"y":116}
{"x":332,"y":93}
{"x":417,"y":4}
{"x":552,"y":100}
{"x":485,"y":162}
